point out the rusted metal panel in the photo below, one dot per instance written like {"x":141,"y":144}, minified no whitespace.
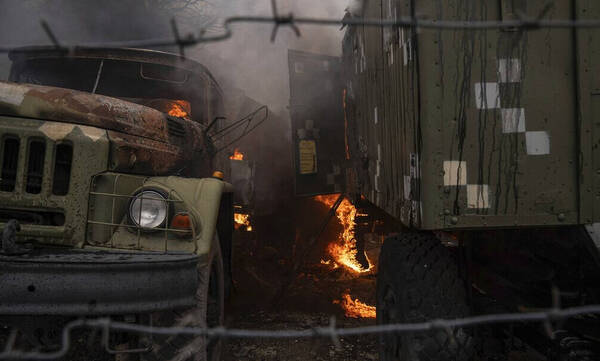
{"x":71,"y":106}
{"x":478,"y":127}
{"x":316,"y":98}
{"x":131,"y":154}
{"x":143,"y":140}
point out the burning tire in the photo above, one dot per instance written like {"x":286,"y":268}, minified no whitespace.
{"x":418,"y":281}
{"x":208,"y":311}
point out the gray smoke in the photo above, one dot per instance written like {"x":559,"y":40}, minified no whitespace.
{"x":251,"y":62}
{"x":248,"y":61}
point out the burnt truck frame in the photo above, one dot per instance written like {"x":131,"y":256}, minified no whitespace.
{"x":86,"y":137}
{"x":482,"y":148}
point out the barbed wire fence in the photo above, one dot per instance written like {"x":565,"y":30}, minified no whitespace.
{"x":547,"y":318}
{"x":522,"y":22}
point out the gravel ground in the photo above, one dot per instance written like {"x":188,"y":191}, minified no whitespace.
{"x":356,"y":348}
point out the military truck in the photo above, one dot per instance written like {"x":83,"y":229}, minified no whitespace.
{"x":113,"y":191}
{"x":483,"y":146}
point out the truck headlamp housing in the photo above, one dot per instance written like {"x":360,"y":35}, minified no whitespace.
{"x":148,"y":209}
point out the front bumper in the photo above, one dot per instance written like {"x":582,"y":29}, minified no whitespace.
{"x":82,"y":282}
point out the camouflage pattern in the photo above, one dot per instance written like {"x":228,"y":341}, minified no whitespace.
{"x":475,"y":129}
{"x":119,"y":148}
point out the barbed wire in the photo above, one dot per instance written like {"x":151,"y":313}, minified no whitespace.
{"x":106,"y":325}
{"x":521,"y":23}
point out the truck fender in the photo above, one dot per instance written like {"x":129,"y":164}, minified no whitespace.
{"x":202,"y":198}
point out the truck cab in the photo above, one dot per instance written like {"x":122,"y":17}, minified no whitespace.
{"x":112,"y":198}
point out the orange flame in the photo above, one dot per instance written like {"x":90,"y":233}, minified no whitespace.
{"x":237,"y":155}
{"x":355,"y":308}
{"x":343,"y":250}
{"x":242,"y":220}
{"x":179,"y":108}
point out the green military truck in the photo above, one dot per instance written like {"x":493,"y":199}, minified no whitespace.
{"x":107,"y":187}
{"x":483,"y":145}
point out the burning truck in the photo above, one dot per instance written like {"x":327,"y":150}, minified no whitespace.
{"x":480,"y":147}
{"x":112,"y":198}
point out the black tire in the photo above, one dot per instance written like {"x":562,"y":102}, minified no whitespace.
{"x":418,"y":281}
{"x":570,"y":347}
{"x":209,"y":310}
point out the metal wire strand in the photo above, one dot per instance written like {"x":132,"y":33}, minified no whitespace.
{"x":330,"y":332}
{"x":522,"y":23}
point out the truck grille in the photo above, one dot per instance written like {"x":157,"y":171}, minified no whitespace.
{"x":10,"y":161}
{"x":35,"y":166}
{"x":62,"y":169}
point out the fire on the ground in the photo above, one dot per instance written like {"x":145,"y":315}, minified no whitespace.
{"x":355,"y":308}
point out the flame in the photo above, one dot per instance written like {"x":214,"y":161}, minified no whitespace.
{"x":329,"y":263}
{"x":242,"y":220}
{"x":237,"y":155}
{"x":355,"y":308}
{"x":179,"y":108}
{"x":343,"y":250}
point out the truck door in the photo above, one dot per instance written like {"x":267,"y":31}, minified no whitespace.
{"x":316,"y":111}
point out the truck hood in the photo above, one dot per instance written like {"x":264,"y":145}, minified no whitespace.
{"x":72,"y":106}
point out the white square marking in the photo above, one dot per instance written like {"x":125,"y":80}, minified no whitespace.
{"x":455,"y":173}
{"x":538,"y":143}
{"x":513,"y":120}
{"x":478,"y":196}
{"x":407,"y":187}
{"x":509,"y":70}
{"x":487,"y":95}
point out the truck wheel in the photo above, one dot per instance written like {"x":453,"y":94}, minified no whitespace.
{"x":209,"y":311}
{"x":418,"y":281}
{"x":569,"y":347}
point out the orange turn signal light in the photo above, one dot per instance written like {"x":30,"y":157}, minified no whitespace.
{"x":181,"y":221}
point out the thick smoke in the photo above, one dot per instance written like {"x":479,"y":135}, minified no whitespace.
{"x":77,"y":21}
{"x":248,"y":60}
{"x":251,"y":62}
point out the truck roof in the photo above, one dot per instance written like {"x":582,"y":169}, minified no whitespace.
{"x":124,"y":54}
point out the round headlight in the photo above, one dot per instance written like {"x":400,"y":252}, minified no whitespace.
{"x":148,"y":209}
